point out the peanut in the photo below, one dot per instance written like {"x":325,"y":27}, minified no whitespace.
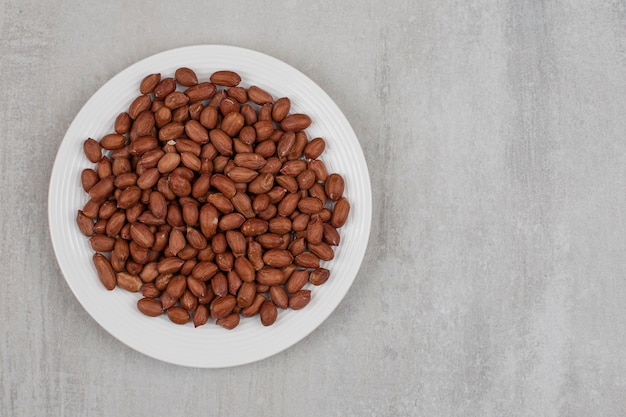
{"x":208,"y":207}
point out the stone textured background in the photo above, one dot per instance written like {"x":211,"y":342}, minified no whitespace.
{"x":495,"y":278}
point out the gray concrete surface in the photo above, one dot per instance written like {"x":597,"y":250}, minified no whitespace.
{"x":495,"y":279}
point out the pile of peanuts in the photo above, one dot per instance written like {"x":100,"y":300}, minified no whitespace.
{"x":210,"y":200}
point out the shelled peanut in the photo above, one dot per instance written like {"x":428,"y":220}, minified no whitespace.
{"x":210,"y":200}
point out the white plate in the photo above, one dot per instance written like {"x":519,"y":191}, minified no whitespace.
{"x":208,"y":346}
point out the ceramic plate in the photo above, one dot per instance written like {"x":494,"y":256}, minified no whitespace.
{"x":208,"y":346}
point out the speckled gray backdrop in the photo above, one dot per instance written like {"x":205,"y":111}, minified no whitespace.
{"x":494,"y":282}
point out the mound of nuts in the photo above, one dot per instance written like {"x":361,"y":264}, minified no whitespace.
{"x":210,"y":201}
